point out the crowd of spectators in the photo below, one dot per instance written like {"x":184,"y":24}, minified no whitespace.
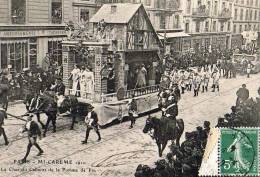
{"x":185,"y":161}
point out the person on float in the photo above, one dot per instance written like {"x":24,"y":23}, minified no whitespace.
{"x":82,"y":81}
{"x":141,"y":77}
{"x":89,"y":83}
{"x":75,"y":75}
{"x":111,"y":79}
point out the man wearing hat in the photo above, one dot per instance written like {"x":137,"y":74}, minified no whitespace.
{"x":2,"y":130}
{"x":59,"y":87}
{"x":242,"y":95}
{"x":196,"y":84}
{"x":92,"y":123}
{"x":33,"y":132}
{"x":4,"y":92}
{"x":132,"y":110}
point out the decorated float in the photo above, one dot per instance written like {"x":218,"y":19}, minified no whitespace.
{"x":119,"y":48}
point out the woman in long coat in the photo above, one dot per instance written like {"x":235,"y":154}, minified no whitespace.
{"x":75,"y":76}
{"x":141,"y":77}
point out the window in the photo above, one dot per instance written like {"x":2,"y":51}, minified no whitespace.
{"x":187,"y":27}
{"x":256,"y":3}
{"x":162,"y":22}
{"x":207,"y":27}
{"x":245,"y":27}
{"x":157,"y":3}
{"x":255,"y":14}
{"x":251,"y":15}
{"x":18,"y":11}
{"x":197,"y":26}
{"x":241,"y":14}
{"x":55,"y":52}
{"x":223,"y":5}
{"x":56,"y":11}
{"x":247,"y":2}
{"x":147,"y":2}
{"x":84,"y":15}
{"x":209,"y":6}
{"x":222,"y":26}
{"x":214,"y":25}
{"x":240,"y":28}
{"x":177,"y":21}
{"x":188,"y":6}
{"x":235,"y":29}
{"x":247,"y":14}
{"x":228,"y":27}
{"x":215,"y":7}
{"x":235,"y":16}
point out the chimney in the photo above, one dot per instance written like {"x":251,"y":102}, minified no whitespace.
{"x":113,"y":9}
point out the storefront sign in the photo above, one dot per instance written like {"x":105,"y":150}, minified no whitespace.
{"x":7,"y":34}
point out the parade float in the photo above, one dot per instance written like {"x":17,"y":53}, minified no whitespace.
{"x":119,"y":41}
{"x":253,"y":55}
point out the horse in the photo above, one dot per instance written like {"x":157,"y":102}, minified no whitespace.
{"x":162,"y":132}
{"x":2,"y":130}
{"x":68,"y":104}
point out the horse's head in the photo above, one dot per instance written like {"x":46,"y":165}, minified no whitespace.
{"x":149,"y":124}
{"x":63,"y":103}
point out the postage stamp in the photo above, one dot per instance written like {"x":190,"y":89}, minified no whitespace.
{"x":232,"y":152}
{"x":239,"y":152}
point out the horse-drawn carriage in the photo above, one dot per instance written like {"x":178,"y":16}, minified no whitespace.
{"x":241,"y":62}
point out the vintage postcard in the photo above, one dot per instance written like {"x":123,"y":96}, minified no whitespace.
{"x":129,"y":88}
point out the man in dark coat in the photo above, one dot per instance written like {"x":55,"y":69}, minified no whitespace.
{"x":2,"y":130}
{"x":92,"y":123}
{"x":242,"y":94}
{"x":33,"y":132}
{"x":132,"y":110}
{"x":59,"y":87}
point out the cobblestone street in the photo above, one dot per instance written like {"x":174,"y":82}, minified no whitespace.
{"x":120,"y":150}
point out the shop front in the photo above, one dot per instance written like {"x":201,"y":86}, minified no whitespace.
{"x":23,"y":48}
{"x":216,"y":41}
{"x":236,"y":41}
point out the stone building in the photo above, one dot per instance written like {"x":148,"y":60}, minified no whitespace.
{"x":208,"y":22}
{"x":29,"y":29}
{"x":246,"y":17}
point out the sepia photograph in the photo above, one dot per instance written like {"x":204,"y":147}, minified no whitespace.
{"x":129,"y":88}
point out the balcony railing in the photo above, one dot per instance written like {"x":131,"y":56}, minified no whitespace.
{"x":225,"y":14}
{"x":56,"y":20}
{"x":200,"y":12}
{"x":129,"y":93}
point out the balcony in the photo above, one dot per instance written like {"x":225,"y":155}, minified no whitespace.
{"x":201,"y":12}
{"x":225,"y":14}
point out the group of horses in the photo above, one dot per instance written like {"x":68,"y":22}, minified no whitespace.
{"x":42,"y":103}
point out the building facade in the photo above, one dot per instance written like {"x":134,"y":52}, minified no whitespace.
{"x":209,"y":22}
{"x":31,"y":31}
{"x":246,"y":17}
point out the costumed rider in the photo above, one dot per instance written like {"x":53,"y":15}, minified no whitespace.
{"x":91,"y":121}
{"x":170,"y":111}
{"x":132,"y":110}
{"x":59,"y":87}
{"x":33,"y":132}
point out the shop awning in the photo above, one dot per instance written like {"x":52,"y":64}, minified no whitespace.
{"x":173,"y":35}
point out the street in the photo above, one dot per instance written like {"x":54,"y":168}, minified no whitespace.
{"x":120,"y":150}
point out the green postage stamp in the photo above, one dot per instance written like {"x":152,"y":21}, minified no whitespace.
{"x":232,"y":152}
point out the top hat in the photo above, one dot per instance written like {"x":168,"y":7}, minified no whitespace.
{"x":90,"y":107}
